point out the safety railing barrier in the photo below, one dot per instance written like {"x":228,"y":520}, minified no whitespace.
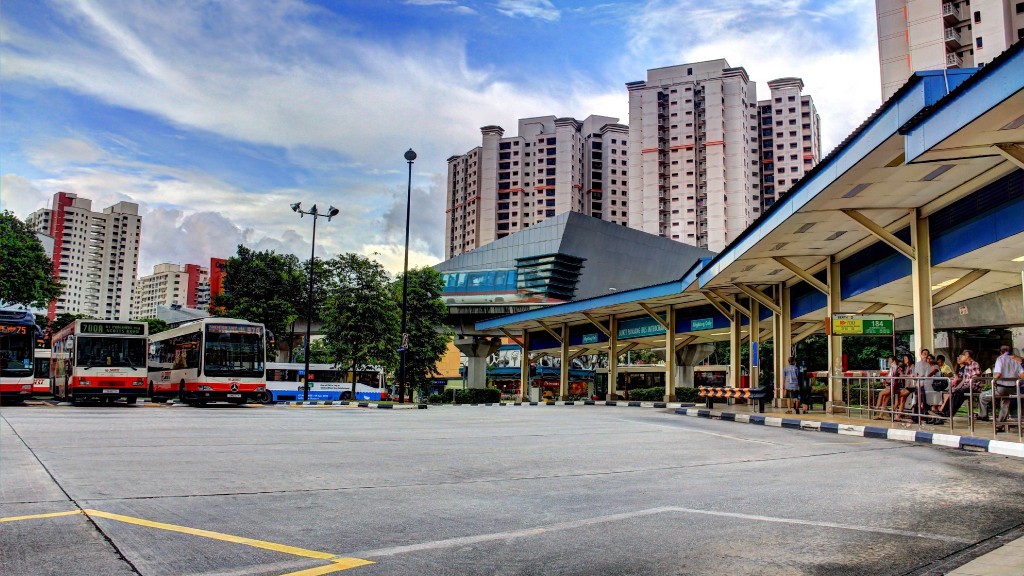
{"x":914,"y":399}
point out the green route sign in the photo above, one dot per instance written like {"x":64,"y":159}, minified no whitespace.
{"x":862,"y":325}
{"x":702,"y":324}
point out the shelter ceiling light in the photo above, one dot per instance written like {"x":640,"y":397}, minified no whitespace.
{"x":805,"y":228}
{"x":1019,"y":259}
{"x":944,"y":283}
{"x":836,"y":234}
{"x":855,"y":190}
{"x":936,"y":173}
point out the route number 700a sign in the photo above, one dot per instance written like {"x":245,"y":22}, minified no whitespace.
{"x":862,"y":325}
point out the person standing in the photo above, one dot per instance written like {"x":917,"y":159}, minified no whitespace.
{"x":1004,"y":383}
{"x":923,"y":368}
{"x":792,"y":382}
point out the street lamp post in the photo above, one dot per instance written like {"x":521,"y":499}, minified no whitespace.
{"x":331,"y":213}
{"x":410,"y":157}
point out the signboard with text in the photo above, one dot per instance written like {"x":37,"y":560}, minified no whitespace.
{"x":108,"y":329}
{"x":702,"y":324}
{"x":639,"y":328}
{"x":862,"y":325}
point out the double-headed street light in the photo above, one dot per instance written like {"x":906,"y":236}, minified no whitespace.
{"x":331,"y":213}
{"x":410,"y":157}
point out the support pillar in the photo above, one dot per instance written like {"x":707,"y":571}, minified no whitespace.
{"x":477,"y":349}
{"x":755,"y":343}
{"x":835,"y":343}
{"x":784,"y":344}
{"x":921,"y":281}
{"x":613,"y":356}
{"x":563,"y":378}
{"x":735,"y":342}
{"x":524,"y":365}
{"x":670,"y":355}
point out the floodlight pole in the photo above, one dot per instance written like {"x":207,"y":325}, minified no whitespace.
{"x":331,"y":213}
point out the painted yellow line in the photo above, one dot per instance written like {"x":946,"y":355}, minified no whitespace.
{"x":283,"y":548}
{"x":34,"y":516}
{"x":335,"y":566}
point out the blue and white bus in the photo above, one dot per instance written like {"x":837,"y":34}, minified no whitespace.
{"x":328,"y":382}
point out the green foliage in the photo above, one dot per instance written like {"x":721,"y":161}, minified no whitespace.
{"x":428,"y":333}
{"x":642,"y":356}
{"x":27,"y":278}
{"x":63,"y":319}
{"x":478,"y":396}
{"x":360,"y":319}
{"x":687,"y":395}
{"x":262,"y":287}
{"x":656,"y":394}
{"x":436,"y":399}
{"x":156,"y":325}
{"x":319,"y":353}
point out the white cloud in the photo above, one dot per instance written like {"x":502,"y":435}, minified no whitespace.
{"x":20,"y":196}
{"x":540,"y":9}
{"x":832,"y":48}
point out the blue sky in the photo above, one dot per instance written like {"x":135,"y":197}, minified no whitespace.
{"x":215,"y":116}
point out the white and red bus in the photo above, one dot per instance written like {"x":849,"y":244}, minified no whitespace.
{"x":209,"y":360}
{"x":41,"y":381}
{"x":17,"y":347}
{"x":99,"y":360}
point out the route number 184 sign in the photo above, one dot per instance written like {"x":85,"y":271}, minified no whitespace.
{"x":862,"y":325}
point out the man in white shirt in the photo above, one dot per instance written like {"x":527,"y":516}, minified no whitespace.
{"x":1004,"y":382}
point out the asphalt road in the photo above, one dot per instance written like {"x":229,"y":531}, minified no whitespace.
{"x":478,"y":490}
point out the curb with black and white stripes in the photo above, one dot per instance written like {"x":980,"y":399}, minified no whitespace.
{"x":1004,"y":448}
{"x":617,"y":403}
{"x":349,"y":403}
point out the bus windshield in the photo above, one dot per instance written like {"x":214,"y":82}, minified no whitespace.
{"x":95,"y":351}
{"x":234,"y":350}
{"x":16,"y":350}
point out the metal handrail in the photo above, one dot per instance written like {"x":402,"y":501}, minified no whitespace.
{"x":848,"y":387}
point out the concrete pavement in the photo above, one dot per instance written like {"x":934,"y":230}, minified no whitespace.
{"x":478,"y":491}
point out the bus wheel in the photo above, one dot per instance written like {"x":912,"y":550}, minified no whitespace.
{"x":181,"y":394}
{"x":132,"y":399}
{"x":267,"y":398}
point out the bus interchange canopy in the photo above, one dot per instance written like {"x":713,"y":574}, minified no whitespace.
{"x":922,"y":205}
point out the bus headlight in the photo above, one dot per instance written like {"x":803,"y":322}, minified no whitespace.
{"x":206,"y":388}
{"x":261,"y":388}
{"x":83,"y":382}
{"x":139,"y":383}
{"x":26,"y":386}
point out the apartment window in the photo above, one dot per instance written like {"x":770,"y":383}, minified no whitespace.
{"x":977,"y":17}
{"x":979,"y":42}
{"x":1020,"y":7}
{"x":689,"y":71}
{"x":792,"y":99}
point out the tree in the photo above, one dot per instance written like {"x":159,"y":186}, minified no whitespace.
{"x":318,"y":353}
{"x":262,"y":287}
{"x":360,"y":319}
{"x":156,"y":325}
{"x":27,"y":279}
{"x":428,"y":334}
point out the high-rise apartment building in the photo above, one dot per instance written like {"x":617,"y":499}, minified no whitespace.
{"x":171,"y":285}
{"x":916,"y":35}
{"x":695,"y":174}
{"x":166,"y":286}
{"x":95,"y":254}
{"x":790,"y":137}
{"x":554,"y":165}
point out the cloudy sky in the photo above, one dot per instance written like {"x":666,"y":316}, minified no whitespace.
{"x":215,"y":116}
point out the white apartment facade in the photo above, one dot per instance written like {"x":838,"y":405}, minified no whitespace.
{"x":790,"y":137}
{"x":693,"y":152}
{"x":916,"y":35}
{"x":95,"y":254}
{"x":166,"y":286}
{"x":553,"y":165}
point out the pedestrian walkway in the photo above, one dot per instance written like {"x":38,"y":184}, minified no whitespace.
{"x":1007,"y":560}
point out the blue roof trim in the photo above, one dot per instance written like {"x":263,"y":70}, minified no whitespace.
{"x":624,"y":297}
{"x":1001,"y":80}
{"x":923,"y":89}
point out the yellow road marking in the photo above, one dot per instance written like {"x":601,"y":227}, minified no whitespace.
{"x":284,"y":548}
{"x":335,"y":566}
{"x":34,"y":516}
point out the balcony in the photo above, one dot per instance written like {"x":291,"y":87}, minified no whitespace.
{"x":951,"y":13}
{"x":952,"y":38}
{"x":954,"y":61}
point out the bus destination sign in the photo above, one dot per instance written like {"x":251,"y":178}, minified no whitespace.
{"x":113,"y":329}
{"x":862,"y":325}
{"x":234,"y":329}
{"x":8,"y":329}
